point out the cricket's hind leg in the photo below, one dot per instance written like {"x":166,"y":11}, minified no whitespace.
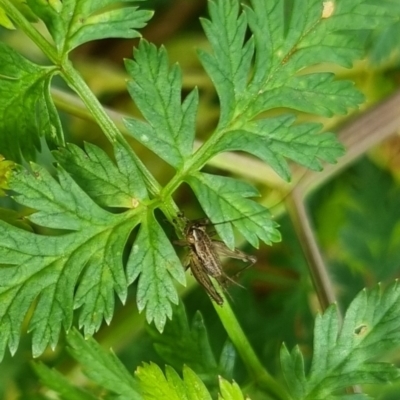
{"x":251,"y":261}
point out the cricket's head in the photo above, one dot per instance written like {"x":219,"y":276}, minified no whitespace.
{"x":195,"y":230}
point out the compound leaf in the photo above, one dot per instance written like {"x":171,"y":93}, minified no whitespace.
{"x":74,"y":22}
{"x":154,"y":261}
{"x":156,"y":89}
{"x":26,"y":108}
{"x":226,"y":199}
{"x":101,"y":366}
{"x":48,"y":268}
{"x":79,"y":267}
{"x":279,"y":45}
{"x":284,"y":43}
{"x":341,"y":355}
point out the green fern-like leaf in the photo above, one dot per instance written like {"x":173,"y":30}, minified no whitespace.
{"x":283,"y":45}
{"x":342,"y":354}
{"x":27,"y":111}
{"x":48,"y":267}
{"x":170,"y":129}
{"x":82,"y":266}
{"x":255,"y":75}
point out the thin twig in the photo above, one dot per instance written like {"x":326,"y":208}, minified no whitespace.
{"x":318,"y":271}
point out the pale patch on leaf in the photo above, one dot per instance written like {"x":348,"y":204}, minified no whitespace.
{"x":329,"y":8}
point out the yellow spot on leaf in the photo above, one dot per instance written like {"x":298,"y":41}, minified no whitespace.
{"x":329,"y":8}
{"x":135,"y":202}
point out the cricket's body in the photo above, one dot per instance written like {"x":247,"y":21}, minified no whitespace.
{"x":202,"y":245}
{"x":204,"y":260}
{"x":202,"y":277}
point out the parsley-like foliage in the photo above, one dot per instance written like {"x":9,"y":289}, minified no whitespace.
{"x":259,"y":61}
{"x":343,"y":354}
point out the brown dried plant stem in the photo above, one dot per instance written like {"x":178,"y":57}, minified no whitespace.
{"x":318,"y":270}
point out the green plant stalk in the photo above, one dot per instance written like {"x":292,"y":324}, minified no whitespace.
{"x":256,"y":370}
{"x":198,"y":160}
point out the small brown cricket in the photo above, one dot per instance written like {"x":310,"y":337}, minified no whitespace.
{"x":204,"y":261}
{"x":203,"y":258}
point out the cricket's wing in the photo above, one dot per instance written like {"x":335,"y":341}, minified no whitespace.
{"x":201,"y":276}
{"x":223,"y":250}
